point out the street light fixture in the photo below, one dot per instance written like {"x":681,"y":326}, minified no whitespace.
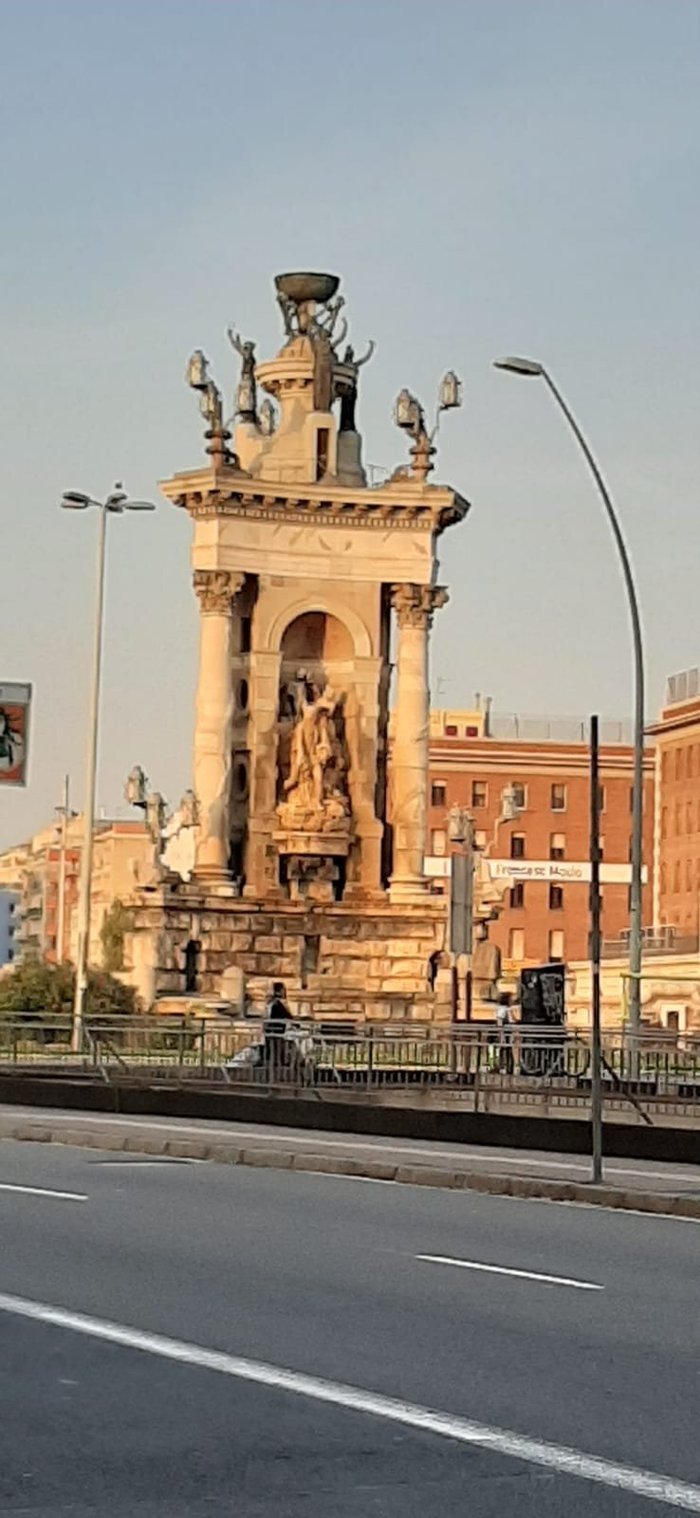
{"x":115,"y":503}
{"x":531,"y":368}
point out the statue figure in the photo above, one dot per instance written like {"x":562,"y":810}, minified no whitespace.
{"x":288,"y":309}
{"x":267,"y":418}
{"x":246,"y":394}
{"x":314,"y":790}
{"x":348,"y":401}
{"x":329,"y":319}
{"x":189,"y":810}
{"x":136,"y":786}
{"x":156,"y":813}
{"x":211,"y":407}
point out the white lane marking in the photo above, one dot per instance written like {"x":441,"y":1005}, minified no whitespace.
{"x":59,"y":1196}
{"x":508,"y":1270}
{"x":556,"y":1457}
{"x":326,"y":1175}
{"x":136,"y":1163}
{"x":387,"y":1148}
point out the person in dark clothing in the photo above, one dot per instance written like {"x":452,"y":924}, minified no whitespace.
{"x":504,"y":1018}
{"x":277,"y":1017}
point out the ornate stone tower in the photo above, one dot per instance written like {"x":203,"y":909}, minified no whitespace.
{"x":311,"y":834}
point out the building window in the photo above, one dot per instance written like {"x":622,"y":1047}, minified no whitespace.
{"x":557,"y":846}
{"x":665,"y":766}
{"x":677,"y":875}
{"x":479,"y":838}
{"x":663,"y":876}
{"x":516,"y":944}
{"x":678,"y":819}
{"x":471,"y":732}
{"x":690,"y":761}
{"x":688,"y":875}
{"x":517,"y":894}
{"x":677,"y":764}
{"x":689,"y":817}
{"x":556,"y":945}
{"x":519,"y":794}
{"x":438,"y":793}
{"x":664,"y":820}
{"x":438,"y":841}
{"x":451,"y":730}
{"x":322,"y":445}
{"x":556,"y":898}
{"x":558,"y":798}
{"x":479,"y":793}
{"x":517,"y":846}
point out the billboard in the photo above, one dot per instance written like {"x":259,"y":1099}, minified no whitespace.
{"x":15,"y":707}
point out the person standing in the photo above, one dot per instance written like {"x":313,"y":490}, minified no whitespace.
{"x":504,"y":1018}
{"x":277,"y":1019}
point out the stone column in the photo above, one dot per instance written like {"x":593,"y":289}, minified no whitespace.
{"x":414,"y":606}
{"x":215,"y":589}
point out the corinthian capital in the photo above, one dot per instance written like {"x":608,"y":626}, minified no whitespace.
{"x":414,"y":604}
{"x":215,"y":589}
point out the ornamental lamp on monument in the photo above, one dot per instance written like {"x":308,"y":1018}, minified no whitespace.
{"x":409,"y":415}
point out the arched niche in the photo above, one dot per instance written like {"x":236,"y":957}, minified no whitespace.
{"x":316,"y":637}
{"x":318,"y":622}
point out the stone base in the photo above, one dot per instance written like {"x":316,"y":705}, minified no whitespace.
{"x":336,"y":959}
{"x":408,"y":888}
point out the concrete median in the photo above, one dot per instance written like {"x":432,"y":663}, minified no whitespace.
{"x":285,"y":1157}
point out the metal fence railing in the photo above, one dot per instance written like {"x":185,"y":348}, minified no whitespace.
{"x":478,"y":1064}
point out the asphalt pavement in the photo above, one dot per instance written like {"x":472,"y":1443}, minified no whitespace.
{"x":189,"y":1338}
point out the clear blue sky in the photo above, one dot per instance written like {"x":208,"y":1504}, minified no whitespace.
{"x":488,"y":176}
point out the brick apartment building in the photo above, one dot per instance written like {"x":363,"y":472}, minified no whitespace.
{"x":33,"y":871}
{"x":474,"y":757}
{"x":677,"y":831}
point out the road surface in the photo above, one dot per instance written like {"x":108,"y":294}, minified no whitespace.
{"x":194,"y":1339}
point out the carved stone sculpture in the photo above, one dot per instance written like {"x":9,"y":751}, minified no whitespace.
{"x":136,"y":787}
{"x":315,"y":791}
{"x":348,"y":399}
{"x":246,"y":394}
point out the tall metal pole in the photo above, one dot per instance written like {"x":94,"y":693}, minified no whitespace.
{"x":635,"y":947}
{"x":596,"y":1084}
{"x":61,"y":914}
{"x":91,"y":773}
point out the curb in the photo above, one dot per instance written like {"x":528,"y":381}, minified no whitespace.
{"x":221,"y":1152}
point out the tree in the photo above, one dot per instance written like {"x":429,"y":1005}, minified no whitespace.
{"x":39,"y":992}
{"x":38,"y":989}
{"x":117,"y":921}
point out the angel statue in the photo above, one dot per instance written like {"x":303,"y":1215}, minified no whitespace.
{"x":348,"y":401}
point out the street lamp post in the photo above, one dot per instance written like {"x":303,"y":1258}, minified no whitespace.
{"x":530,"y":367}
{"x":116,"y":502}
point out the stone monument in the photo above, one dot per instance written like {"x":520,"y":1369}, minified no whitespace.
{"x":311,"y":586}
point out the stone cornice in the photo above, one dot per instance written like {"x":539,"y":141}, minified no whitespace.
{"x":400,"y":503}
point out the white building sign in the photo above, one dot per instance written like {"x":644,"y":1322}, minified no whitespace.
{"x":556,"y":871}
